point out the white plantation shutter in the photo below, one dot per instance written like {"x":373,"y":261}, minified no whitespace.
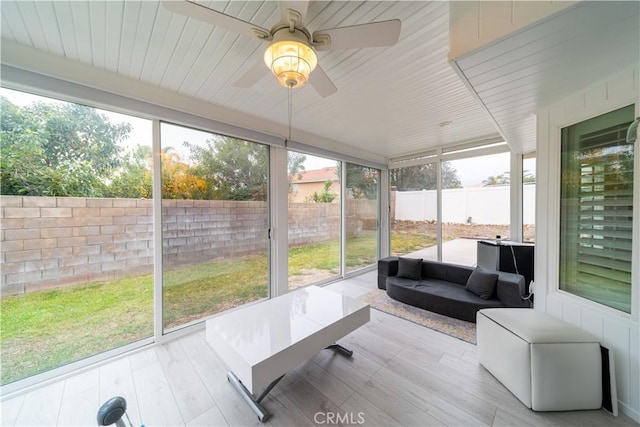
{"x":597,"y":210}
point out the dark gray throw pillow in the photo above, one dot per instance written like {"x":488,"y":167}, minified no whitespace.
{"x":482,"y":283}
{"x":410,"y":268}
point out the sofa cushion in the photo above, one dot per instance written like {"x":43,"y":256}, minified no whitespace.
{"x":447,"y":272}
{"x":482,"y":283}
{"x":439,"y":296}
{"x":409,"y":268}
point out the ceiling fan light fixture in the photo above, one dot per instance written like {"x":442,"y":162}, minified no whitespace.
{"x":290,"y":58}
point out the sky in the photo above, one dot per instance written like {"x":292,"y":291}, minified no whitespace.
{"x":474,"y":170}
{"x":470,"y":171}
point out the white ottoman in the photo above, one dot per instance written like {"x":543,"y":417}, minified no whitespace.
{"x":545,"y":362}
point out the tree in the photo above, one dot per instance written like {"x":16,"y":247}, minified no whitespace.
{"x":58,"y":149}
{"x":233,"y":169}
{"x":295,"y":164}
{"x":179,"y":180}
{"x":502,"y":179}
{"x":325,"y":196}
{"x":528,"y":177}
{"x":133,"y":180}
{"x":75,"y":132}
{"x":424,"y":177}
{"x":362,"y":181}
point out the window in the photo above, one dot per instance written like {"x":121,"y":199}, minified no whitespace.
{"x":361,"y":205}
{"x":596,"y":211}
{"x":414,"y":211}
{"x":529,"y":197}
{"x":475,"y":206}
{"x":214,"y":224}
{"x":314,"y":219}
{"x":77,"y":235}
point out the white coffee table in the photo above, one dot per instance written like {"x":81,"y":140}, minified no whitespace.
{"x":260,"y":343}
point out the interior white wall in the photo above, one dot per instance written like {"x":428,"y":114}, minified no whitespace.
{"x":616,"y":330}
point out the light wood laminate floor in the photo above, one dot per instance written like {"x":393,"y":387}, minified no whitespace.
{"x":400,"y":374}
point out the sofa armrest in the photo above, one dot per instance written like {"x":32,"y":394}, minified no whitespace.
{"x":510,"y":290}
{"x":386,"y":267}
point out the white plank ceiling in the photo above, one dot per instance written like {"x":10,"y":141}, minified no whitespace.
{"x":551,"y":60}
{"x":390,"y":101}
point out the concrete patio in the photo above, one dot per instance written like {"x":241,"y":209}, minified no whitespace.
{"x":457,"y":251}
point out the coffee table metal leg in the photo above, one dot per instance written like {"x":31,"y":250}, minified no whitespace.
{"x":262,"y":414}
{"x":254,"y":403}
{"x":340,"y":349}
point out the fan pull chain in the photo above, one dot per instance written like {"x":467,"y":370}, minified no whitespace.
{"x":290,"y":103}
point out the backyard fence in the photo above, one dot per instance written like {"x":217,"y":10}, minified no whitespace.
{"x":481,"y":205}
{"x":52,"y":241}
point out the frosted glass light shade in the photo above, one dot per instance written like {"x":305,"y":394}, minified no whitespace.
{"x":291,"y":62}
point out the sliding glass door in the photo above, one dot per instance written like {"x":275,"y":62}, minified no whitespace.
{"x":214,"y":224}
{"x":314,"y":219}
{"x":362,"y":222}
{"x":77,"y":234}
{"x":414,"y":211}
{"x":475,"y":205}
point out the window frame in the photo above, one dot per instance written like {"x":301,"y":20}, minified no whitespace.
{"x":580,"y":260}
{"x":473,"y":149}
{"x":553,"y":224}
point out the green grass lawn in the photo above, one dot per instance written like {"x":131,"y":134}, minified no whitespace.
{"x":317,"y":256}
{"x":46,"y":329}
{"x":404,"y":243}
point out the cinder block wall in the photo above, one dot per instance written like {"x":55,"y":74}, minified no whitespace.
{"x":313,"y":223}
{"x":49,"y":241}
{"x":202,"y":230}
{"x":53,"y":241}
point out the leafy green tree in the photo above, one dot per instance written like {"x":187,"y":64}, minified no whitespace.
{"x":75,"y":132}
{"x":233,"y":169}
{"x":528,"y":177}
{"x":362,"y":181}
{"x":295,"y":164}
{"x":134,"y":179}
{"x":424,"y":177}
{"x":57,"y":149}
{"x":502,"y":179}
{"x":325,"y":196}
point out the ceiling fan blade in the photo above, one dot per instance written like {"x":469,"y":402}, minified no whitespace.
{"x":299,"y":7}
{"x":322,"y":83}
{"x":252,"y":75}
{"x":213,"y":17}
{"x":375,"y":34}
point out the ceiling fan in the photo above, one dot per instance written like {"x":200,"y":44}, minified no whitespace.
{"x":291,"y":54}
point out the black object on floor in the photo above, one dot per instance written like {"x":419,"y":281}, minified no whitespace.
{"x":111,"y":412}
